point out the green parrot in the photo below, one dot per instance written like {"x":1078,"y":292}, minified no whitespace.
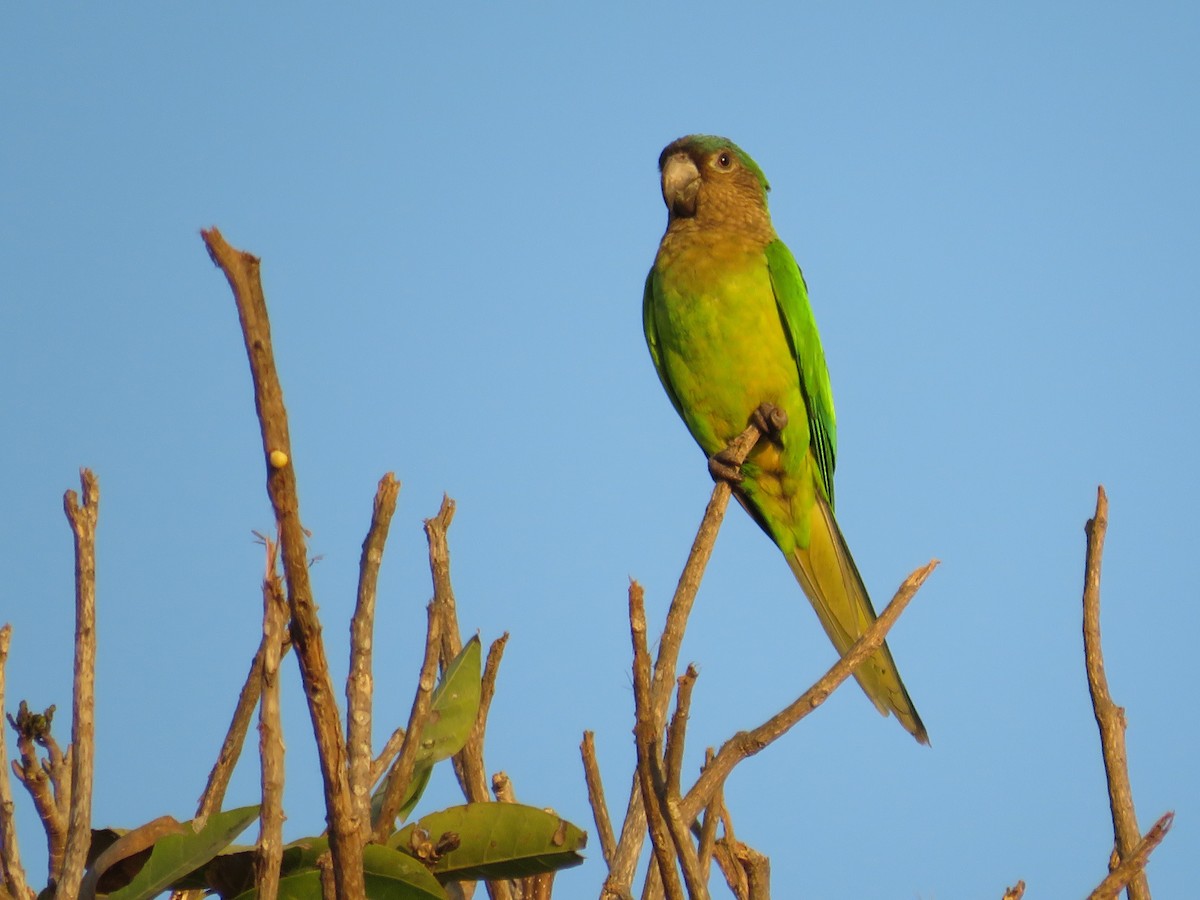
{"x":734,"y":341}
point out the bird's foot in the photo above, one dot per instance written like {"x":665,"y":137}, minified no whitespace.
{"x":770,"y":420}
{"x":723,"y":468}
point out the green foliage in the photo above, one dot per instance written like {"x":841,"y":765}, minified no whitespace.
{"x":478,"y":841}
{"x":452,"y":712}
{"x":390,"y":875}
{"x":490,"y":841}
{"x":169,"y":851}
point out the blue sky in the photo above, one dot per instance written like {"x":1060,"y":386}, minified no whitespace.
{"x":996,"y":209}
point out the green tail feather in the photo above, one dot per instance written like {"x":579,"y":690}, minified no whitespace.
{"x":826,"y":572}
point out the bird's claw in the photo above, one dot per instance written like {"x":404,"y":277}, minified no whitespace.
{"x":722,"y":467}
{"x":769,"y":419}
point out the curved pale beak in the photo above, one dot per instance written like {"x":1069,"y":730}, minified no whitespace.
{"x":680,"y":185}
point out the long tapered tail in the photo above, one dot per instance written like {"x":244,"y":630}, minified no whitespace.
{"x":826,"y":572}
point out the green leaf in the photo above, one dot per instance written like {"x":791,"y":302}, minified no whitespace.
{"x":232,"y":871}
{"x":453,"y":707}
{"x":494,"y":841}
{"x":416,"y":788}
{"x":389,"y":875}
{"x":177,"y":854}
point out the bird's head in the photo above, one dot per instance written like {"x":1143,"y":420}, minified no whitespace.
{"x":713,"y":181}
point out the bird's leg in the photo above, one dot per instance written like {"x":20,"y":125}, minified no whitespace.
{"x":725,"y":465}
{"x":770,"y":420}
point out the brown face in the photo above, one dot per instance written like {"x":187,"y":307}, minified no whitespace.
{"x":711,"y":185}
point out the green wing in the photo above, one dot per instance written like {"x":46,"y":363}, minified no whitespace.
{"x":791,"y":296}
{"x":651,"y":329}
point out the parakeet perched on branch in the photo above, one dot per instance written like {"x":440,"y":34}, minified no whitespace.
{"x":734,"y":341}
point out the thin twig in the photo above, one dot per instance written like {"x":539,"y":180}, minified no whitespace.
{"x":666,"y":776}
{"x":747,"y":743}
{"x":42,"y":781}
{"x":629,"y":848}
{"x":387,"y":755}
{"x":345,"y":842}
{"x":439,"y":567}
{"x":595,"y":789}
{"x":83,"y":713}
{"x":359,"y":681}
{"x":11,"y":870}
{"x":402,"y":771}
{"x":1110,"y":718}
{"x":469,"y":766}
{"x":58,"y":766}
{"x":708,"y":826}
{"x":502,"y":788}
{"x":646,"y":739}
{"x":1016,"y":892}
{"x":235,"y":736}
{"x":1124,"y":875}
{"x":468,"y":762}
{"x":757,"y":867}
{"x":681,"y":836}
{"x":723,"y":853}
{"x":271,"y":751}
{"x":677,"y":730}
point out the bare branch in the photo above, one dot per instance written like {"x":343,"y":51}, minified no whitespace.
{"x":243,"y":712}
{"x":1123,"y":875}
{"x":12,"y":873}
{"x":270,"y":838}
{"x":235,"y":736}
{"x":42,"y":781}
{"x":676,"y":732}
{"x":345,"y":842}
{"x":502,"y":788}
{"x":469,"y":762}
{"x":617,"y":885}
{"x":359,"y":681}
{"x":723,"y":852}
{"x":646,"y":735}
{"x":387,"y":755}
{"x":83,"y":713}
{"x":708,"y":826}
{"x":1110,"y":718}
{"x":402,"y":771}
{"x":1016,"y":892}
{"x":595,"y":788}
{"x":439,"y":567}
{"x":747,"y":743}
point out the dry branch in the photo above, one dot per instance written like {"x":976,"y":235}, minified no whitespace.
{"x":42,"y":781}
{"x":401,"y":773}
{"x":360,"y":682}
{"x":436,"y":532}
{"x":235,"y":736}
{"x":633,"y":830}
{"x":345,"y":842}
{"x":12,"y":873}
{"x":595,"y":789}
{"x":747,"y":743}
{"x":646,"y":735}
{"x":271,"y":753}
{"x":83,"y":711}
{"x":1110,"y":718}
{"x":468,"y":763}
{"x":1134,"y":864}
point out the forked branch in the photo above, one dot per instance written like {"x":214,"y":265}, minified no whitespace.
{"x":345,"y":841}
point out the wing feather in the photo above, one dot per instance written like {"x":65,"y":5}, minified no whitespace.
{"x":791,"y":296}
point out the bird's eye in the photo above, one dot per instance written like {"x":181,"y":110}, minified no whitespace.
{"x":725,"y":160}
